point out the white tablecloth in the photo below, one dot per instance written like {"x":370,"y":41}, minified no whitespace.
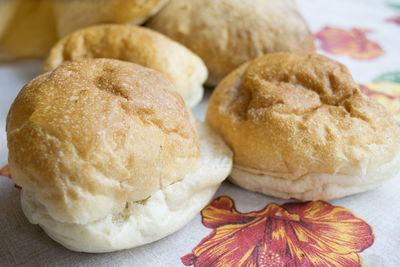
{"x":364,"y":35}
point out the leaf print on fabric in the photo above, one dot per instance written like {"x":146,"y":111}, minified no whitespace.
{"x":392,"y":77}
{"x":394,"y":5}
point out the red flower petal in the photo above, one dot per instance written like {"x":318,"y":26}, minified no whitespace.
{"x":234,"y":243}
{"x":222,"y":211}
{"x":323,"y":222}
{"x":352,"y":43}
{"x":395,"y":19}
{"x":268,"y":257}
{"x":294,"y":234}
{"x":188,"y":259}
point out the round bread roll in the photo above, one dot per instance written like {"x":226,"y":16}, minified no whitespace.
{"x":299,"y":127}
{"x":75,"y":14}
{"x":138,"y":45}
{"x":27,"y":28}
{"x":108,"y":155}
{"x":227,"y":33}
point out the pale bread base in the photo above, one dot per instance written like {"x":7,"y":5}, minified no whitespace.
{"x":145,"y":221}
{"x":316,"y":186}
{"x":195,"y":97}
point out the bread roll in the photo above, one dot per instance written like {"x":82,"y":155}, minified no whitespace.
{"x":98,"y":145}
{"x":227,"y":33}
{"x":138,"y":45}
{"x":75,"y":14}
{"x":27,"y":28}
{"x":300,"y":128}
{"x":7,"y":10}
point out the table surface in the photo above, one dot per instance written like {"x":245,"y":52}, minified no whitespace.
{"x":364,"y":35}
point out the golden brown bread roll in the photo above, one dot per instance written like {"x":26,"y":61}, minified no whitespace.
{"x":227,"y":33}
{"x":94,"y":120}
{"x":139,"y":45}
{"x":108,"y":155}
{"x":75,"y":14}
{"x":300,"y":127}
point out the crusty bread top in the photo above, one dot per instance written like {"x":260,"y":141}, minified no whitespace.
{"x":92,"y":135}
{"x":288,"y":114}
{"x":75,"y":14}
{"x":227,"y":33}
{"x":134,"y":44}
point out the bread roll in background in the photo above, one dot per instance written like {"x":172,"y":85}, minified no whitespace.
{"x":108,"y":155}
{"x":300,"y":128}
{"x":75,"y":14}
{"x":27,"y":28}
{"x":227,"y":33}
{"x":139,"y":45}
{"x":7,"y":10}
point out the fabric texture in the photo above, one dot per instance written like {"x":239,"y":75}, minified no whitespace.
{"x":362,"y":34}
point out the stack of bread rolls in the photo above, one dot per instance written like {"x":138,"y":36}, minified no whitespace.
{"x":105,"y":147}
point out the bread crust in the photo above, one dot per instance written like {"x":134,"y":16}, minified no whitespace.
{"x":141,"y":222}
{"x":94,"y":134}
{"x":76,"y":14}
{"x":139,"y":45}
{"x":286,"y":115}
{"x":227,"y":33}
{"x":27,"y":28}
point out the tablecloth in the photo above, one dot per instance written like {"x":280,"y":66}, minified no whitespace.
{"x":364,"y":228}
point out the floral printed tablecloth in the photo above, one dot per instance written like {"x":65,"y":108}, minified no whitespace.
{"x":241,"y":227}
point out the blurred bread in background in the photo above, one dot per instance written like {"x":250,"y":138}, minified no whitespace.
{"x":28,"y":28}
{"x":75,"y":14}
{"x":227,"y":33}
{"x":7,"y":9}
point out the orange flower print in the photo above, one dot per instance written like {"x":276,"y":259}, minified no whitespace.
{"x":5,"y":171}
{"x":352,"y":43}
{"x":293,"y":234}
